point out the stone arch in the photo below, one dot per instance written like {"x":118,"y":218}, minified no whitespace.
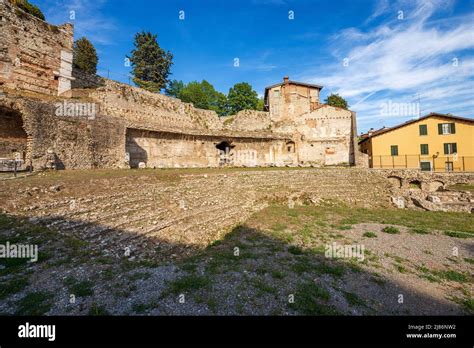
{"x":395,"y":181}
{"x":415,"y":184}
{"x":290,"y":146}
{"x":14,"y":139}
{"x":436,"y":185}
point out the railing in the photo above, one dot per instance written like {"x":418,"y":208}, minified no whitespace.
{"x":11,"y":165}
{"x":451,"y":163}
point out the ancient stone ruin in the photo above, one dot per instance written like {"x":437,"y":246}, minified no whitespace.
{"x":54,"y":117}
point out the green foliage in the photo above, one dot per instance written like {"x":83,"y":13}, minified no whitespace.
{"x":150,"y":63}
{"x":85,"y":56}
{"x":242,"y":97}
{"x":369,"y":235}
{"x":260,"y":105}
{"x":336,"y":100}
{"x":174,"y":88}
{"x":391,"y":230}
{"x":203,"y":96}
{"x":29,"y":8}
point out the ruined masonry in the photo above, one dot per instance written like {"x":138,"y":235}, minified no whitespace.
{"x":52,"y":116}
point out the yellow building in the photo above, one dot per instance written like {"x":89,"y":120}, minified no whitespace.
{"x":435,"y":142}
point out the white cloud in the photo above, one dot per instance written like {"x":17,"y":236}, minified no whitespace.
{"x":89,"y":20}
{"x":400,"y":58}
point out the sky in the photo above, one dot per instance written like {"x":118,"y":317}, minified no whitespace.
{"x":392,"y":60}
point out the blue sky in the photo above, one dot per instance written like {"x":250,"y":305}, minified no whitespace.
{"x":404,"y":55}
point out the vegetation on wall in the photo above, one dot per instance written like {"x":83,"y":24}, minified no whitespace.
{"x":150,"y":63}
{"x":336,"y":100}
{"x":26,"y":6}
{"x":85,"y":56}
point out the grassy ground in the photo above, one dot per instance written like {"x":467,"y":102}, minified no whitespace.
{"x":274,"y":264}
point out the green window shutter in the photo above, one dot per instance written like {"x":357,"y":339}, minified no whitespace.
{"x":453,"y":128}
{"x":424,"y":149}
{"x":440,"y":128}
{"x":423,"y":129}
{"x":394,"y":150}
{"x":446,"y":149}
{"x":455,"y":147}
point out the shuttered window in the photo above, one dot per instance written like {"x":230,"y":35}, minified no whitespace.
{"x":394,"y":150}
{"x":423,"y":129}
{"x":446,"y":128}
{"x":450,"y":148}
{"x":424,"y":149}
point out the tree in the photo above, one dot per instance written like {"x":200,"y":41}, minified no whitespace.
{"x":260,"y":104}
{"x":29,"y":8}
{"x":203,"y":96}
{"x":151,"y":64}
{"x":336,"y":100}
{"x":174,"y":88}
{"x":85,"y":56}
{"x":242,"y":97}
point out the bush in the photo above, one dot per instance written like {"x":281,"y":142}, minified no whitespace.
{"x":391,"y":230}
{"x":29,"y":8}
{"x":369,"y":235}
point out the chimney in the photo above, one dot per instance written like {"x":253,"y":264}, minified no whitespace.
{"x":285,"y":80}
{"x":370,"y":132}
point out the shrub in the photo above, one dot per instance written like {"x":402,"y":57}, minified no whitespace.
{"x":391,"y":230}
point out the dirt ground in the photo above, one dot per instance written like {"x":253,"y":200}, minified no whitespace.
{"x":228,"y":242}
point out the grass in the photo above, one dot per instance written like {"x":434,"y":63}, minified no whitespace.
{"x":13,"y":286}
{"x":79,"y":288}
{"x":187,"y":283}
{"x":96,"y":310}
{"x":310,"y":299}
{"x":295,"y":250}
{"x":456,"y":234}
{"x":391,"y":230}
{"x":420,"y":231}
{"x":451,"y":275}
{"x":369,"y":235}
{"x":34,"y":303}
{"x":353,"y":299}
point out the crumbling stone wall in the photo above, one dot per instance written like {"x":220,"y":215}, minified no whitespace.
{"x":63,"y":141}
{"x":13,"y":140}
{"x":34,"y":56}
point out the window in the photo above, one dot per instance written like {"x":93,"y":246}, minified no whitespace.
{"x":450,"y":148}
{"x":394,"y":150}
{"x":425,"y":166}
{"x":424,"y":149}
{"x":448,"y":166}
{"x":276,"y":93}
{"x":446,"y":128}
{"x":423,"y":129}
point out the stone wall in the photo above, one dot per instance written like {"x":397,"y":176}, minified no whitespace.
{"x":136,"y":105}
{"x":13,"y":142}
{"x":34,"y":56}
{"x":64,"y":141}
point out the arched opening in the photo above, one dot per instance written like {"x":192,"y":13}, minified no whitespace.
{"x":225,"y":155}
{"x":414,"y":184}
{"x":395,"y":181}
{"x":13,"y":138}
{"x":290,"y":147}
{"x":224,"y":146}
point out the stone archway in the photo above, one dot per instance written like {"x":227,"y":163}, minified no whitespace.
{"x":13,"y":137}
{"x":224,"y":149}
